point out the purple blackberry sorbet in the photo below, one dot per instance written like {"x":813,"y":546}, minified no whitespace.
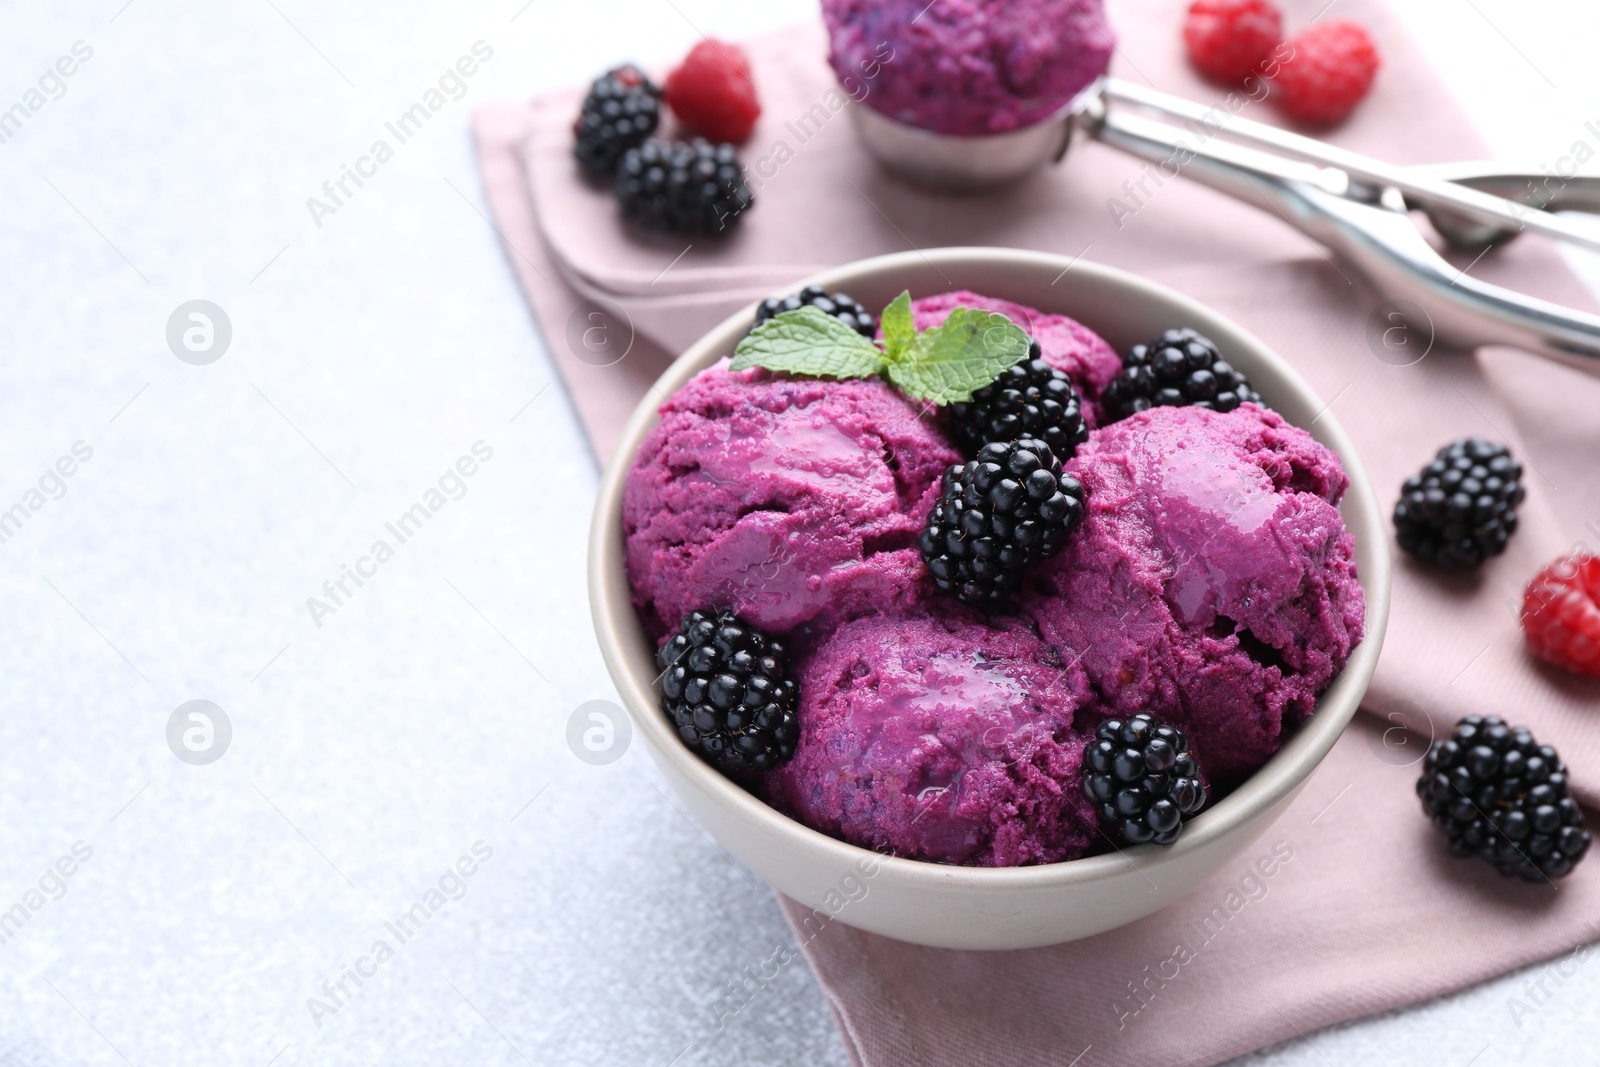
{"x":968,"y":67}
{"x":1212,"y":583}
{"x":939,"y":735}
{"x":794,"y":501}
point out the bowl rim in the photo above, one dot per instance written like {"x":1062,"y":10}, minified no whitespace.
{"x":1283,"y":773}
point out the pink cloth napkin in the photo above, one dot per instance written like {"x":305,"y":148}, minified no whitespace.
{"x":1362,"y":909}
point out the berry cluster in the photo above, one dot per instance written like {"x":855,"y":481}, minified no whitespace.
{"x":1142,"y":779}
{"x":1330,"y":70}
{"x":1495,"y":792}
{"x":1028,"y":399}
{"x":1230,"y":40}
{"x":622,"y":109}
{"x":694,"y":188}
{"x":1318,"y":77}
{"x":841,"y":306}
{"x":713,"y":93}
{"x":1561,"y":614}
{"x":1179,"y":368}
{"x":725,"y":686}
{"x":682,"y":187}
{"x":999,"y":515}
{"x":1460,"y":509}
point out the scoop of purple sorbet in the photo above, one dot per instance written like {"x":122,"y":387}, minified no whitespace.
{"x":1212,"y":582}
{"x":939,"y":735}
{"x":791,"y":501}
{"x":967,"y":67}
{"x":1065,"y":344}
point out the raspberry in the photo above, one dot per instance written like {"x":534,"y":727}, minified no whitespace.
{"x":1231,"y":39}
{"x":1561,"y":614}
{"x":1330,"y":69}
{"x":712,"y":92}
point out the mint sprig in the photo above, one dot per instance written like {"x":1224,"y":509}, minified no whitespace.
{"x":898,"y":328}
{"x":949,"y":363}
{"x":944,"y":365}
{"x":808,"y":341}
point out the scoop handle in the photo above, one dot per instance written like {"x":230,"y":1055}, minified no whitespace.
{"x":1368,"y":228}
{"x":1417,"y":185}
{"x":1537,"y":187}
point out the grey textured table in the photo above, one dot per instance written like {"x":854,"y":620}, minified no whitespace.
{"x":396,"y":722}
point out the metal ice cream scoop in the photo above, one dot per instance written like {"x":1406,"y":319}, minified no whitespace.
{"x":1355,"y":205}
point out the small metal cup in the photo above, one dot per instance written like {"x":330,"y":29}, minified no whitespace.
{"x":956,"y":164}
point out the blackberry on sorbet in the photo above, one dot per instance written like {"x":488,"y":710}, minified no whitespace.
{"x":840,"y":305}
{"x":1027,"y":399}
{"x":693,"y":188}
{"x":725,"y":686}
{"x":1496,"y":793}
{"x":1142,"y":779}
{"x":999,"y":515}
{"x":622,"y":109}
{"x":1178,"y":369}
{"x":1461,"y":509}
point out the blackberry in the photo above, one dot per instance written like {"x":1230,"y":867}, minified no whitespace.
{"x":683,"y":187}
{"x":1142,"y":779}
{"x":1027,"y":399}
{"x":1460,"y":509}
{"x":1495,"y":792}
{"x":725,"y":686}
{"x":839,"y":305}
{"x":998,"y":515}
{"x":1178,"y":369}
{"x":622,"y":109}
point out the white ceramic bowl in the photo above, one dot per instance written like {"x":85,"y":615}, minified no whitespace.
{"x":969,"y":907}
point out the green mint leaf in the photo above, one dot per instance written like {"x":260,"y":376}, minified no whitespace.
{"x":808,"y":341}
{"x":898,"y":329}
{"x":947,"y":364}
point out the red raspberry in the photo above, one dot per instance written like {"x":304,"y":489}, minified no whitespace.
{"x":1330,"y":69}
{"x":712,"y":92}
{"x":1561,"y":614}
{"x":1231,"y":39}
